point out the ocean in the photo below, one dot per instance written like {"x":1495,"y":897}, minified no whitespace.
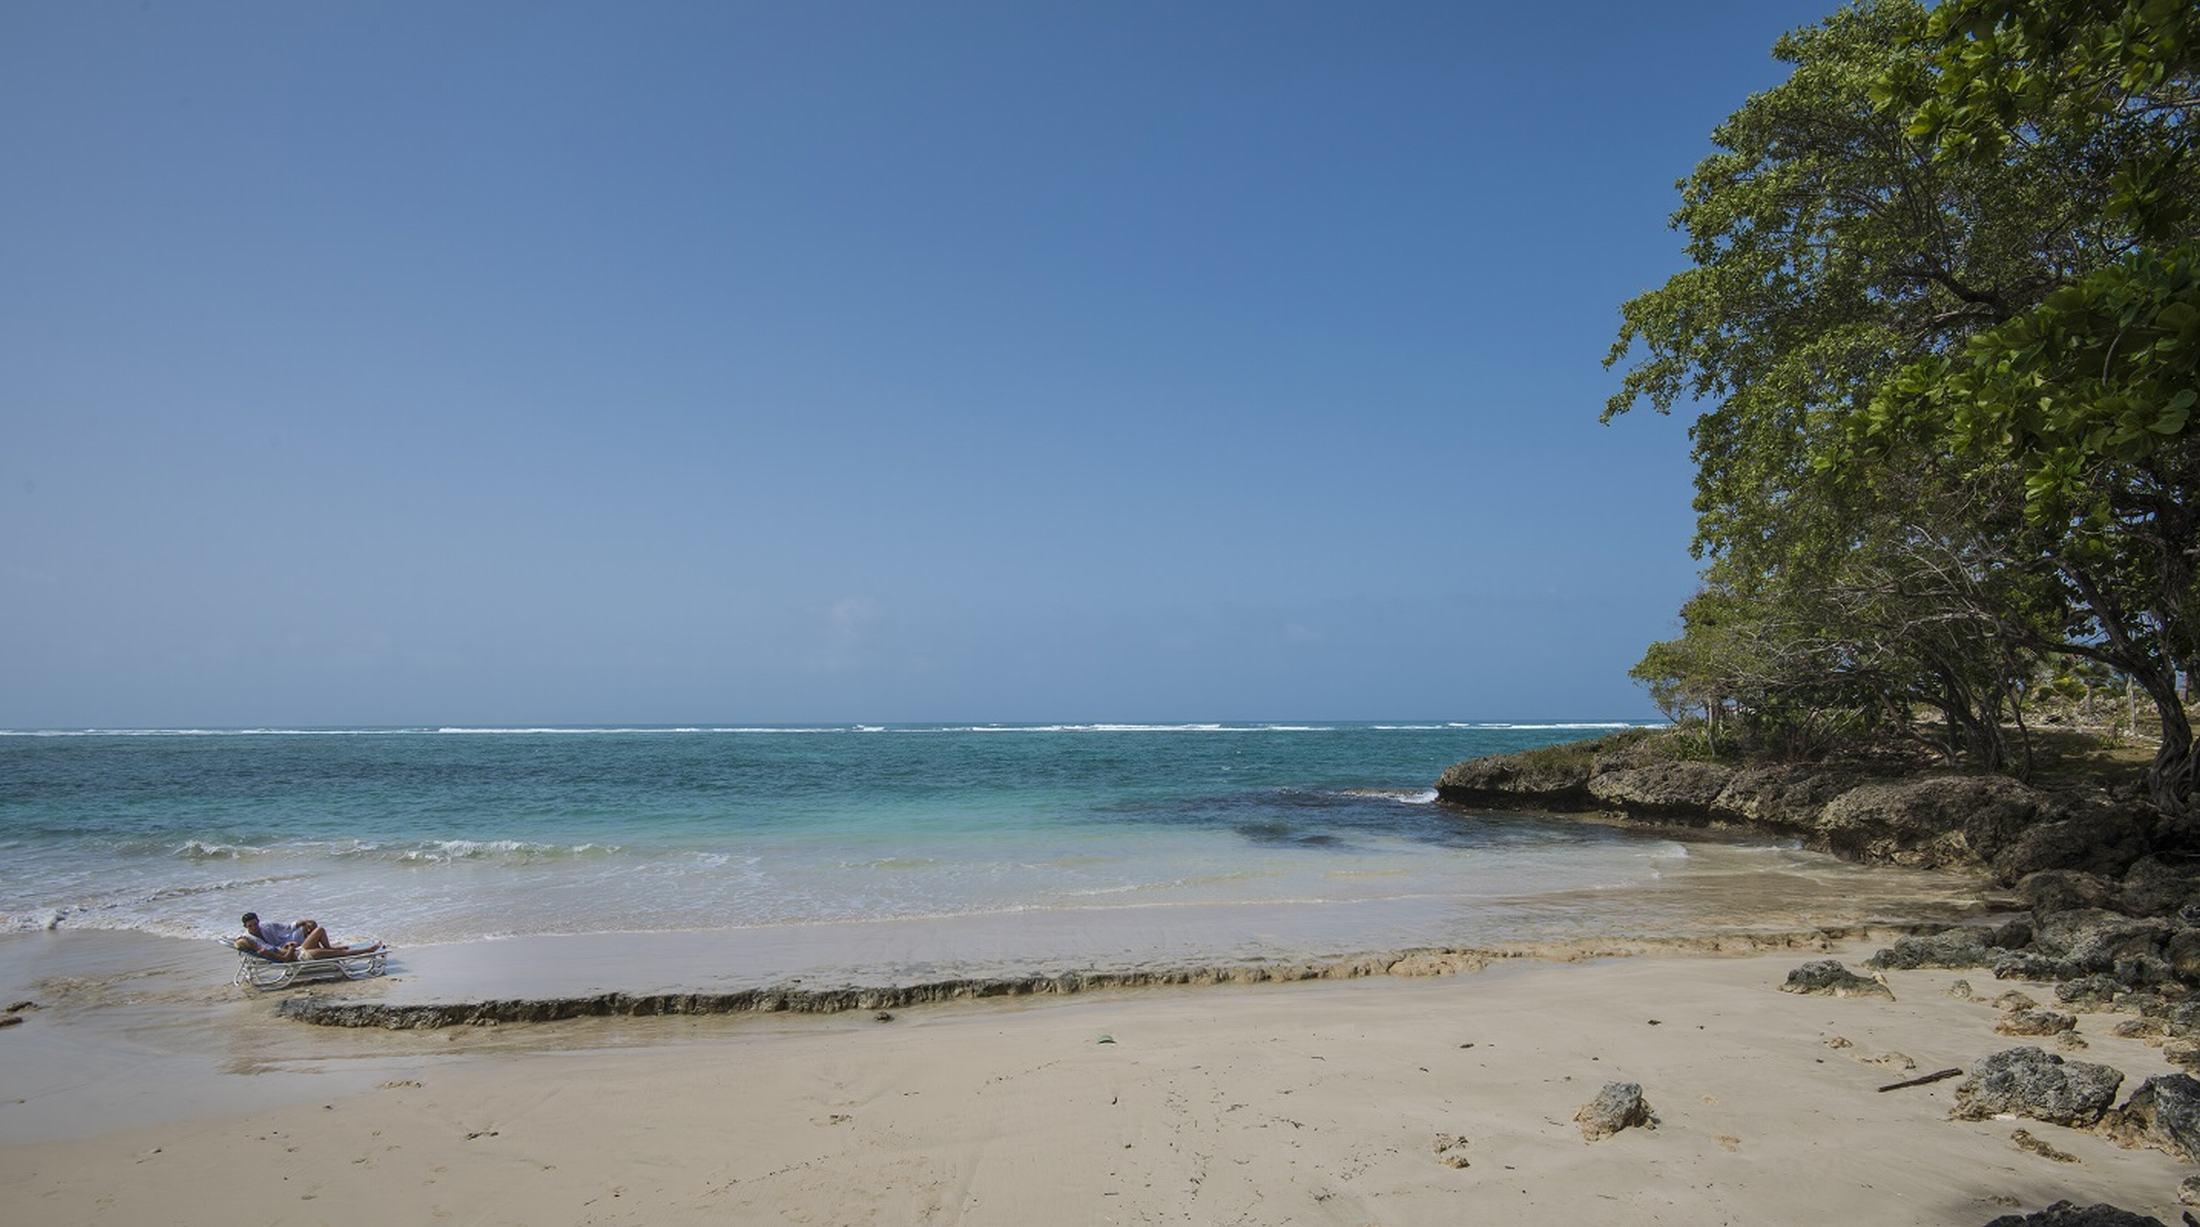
{"x":1268,"y":839}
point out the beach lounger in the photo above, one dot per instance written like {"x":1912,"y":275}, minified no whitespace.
{"x":259,"y":971}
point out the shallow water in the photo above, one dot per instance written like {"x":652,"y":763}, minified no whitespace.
{"x":1188,"y":840}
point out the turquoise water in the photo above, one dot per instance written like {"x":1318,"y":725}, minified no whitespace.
{"x":431,"y":835}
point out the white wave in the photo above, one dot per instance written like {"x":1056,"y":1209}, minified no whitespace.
{"x":1140,"y":728}
{"x":196,"y":850}
{"x":1498,"y":726}
{"x":1404,"y":796}
{"x":1418,"y":728}
{"x":446,"y":850}
{"x":507,"y":732}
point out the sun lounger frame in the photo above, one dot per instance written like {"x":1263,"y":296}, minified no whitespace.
{"x":259,"y":971}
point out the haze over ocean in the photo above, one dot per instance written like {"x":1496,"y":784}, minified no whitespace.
{"x":758,"y":364}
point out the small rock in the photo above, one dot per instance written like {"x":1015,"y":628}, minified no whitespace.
{"x":1960,"y":990}
{"x":1451,"y":1150}
{"x":1828,"y":978}
{"x":23,"y":1005}
{"x":1837,"y":1041}
{"x":2025,"y":1141}
{"x":9,"y":1020}
{"x":2069,"y":1214}
{"x":2035,"y":1022}
{"x":1618,"y":1106}
{"x":2012,"y":1000}
{"x":2182,"y":1053}
{"x":2138,"y":1029}
{"x":2035,"y":1083}
{"x":883,"y":1016}
{"x":2189,"y":1191}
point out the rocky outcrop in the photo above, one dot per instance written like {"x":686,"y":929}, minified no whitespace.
{"x":1780,"y":796}
{"x":2089,"y":940}
{"x":2071,"y":1214}
{"x":1684,"y":791}
{"x":2163,"y":1113}
{"x":2104,"y":842}
{"x":1618,"y":1106}
{"x":1828,"y":978}
{"x":2035,"y":1083}
{"x":2155,"y":886}
{"x":1931,"y":822}
{"x":1960,"y":947}
{"x":1537,"y":781}
{"x":1934,"y":821}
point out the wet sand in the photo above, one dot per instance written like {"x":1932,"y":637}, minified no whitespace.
{"x":143,"y":1096}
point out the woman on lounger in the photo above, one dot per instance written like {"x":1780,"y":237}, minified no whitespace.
{"x":293,"y":942}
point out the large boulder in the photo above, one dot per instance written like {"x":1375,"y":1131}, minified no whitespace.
{"x":2104,"y":842}
{"x":2163,"y":1113}
{"x":1618,"y":1106}
{"x":2071,"y":1214}
{"x":1933,"y":822}
{"x":1683,"y":790}
{"x":1538,"y":779}
{"x":2154,"y":886}
{"x":1828,"y":978}
{"x":2088,"y":940}
{"x":2061,"y":890}
{"x":1959,"y":947}
{"x":2036,"y":1083}
{"x":2182,"y":953}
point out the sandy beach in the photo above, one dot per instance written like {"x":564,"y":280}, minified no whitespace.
{"x":1321,"y":1102}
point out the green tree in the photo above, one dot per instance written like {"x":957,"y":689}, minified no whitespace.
{"x":1829,"y":247}
{"x":1936,"y":318}
{"x":2088,"y":394}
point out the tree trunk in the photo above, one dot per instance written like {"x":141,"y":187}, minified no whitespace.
{"x":2172,"y":779}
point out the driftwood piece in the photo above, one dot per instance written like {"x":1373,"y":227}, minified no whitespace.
{"x":1931,"y":1077}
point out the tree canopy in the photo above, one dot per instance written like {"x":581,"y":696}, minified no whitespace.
{"x":1940,"y":317}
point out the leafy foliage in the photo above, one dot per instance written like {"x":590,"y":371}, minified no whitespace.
{"x":1941,"y":321}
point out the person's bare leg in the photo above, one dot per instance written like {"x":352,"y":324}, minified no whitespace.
{"x":325,"y":951}
{"x":316,"y":938}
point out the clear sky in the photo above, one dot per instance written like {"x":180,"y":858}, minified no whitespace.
{"x":567,"y":363}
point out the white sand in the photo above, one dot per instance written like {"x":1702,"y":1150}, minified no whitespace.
{"x":1301,"y":1103}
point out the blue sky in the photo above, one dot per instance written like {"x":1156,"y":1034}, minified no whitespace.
{"x":571,"y":363}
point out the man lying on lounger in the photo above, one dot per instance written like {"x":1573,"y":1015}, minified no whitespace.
{"x":306,"y":939}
